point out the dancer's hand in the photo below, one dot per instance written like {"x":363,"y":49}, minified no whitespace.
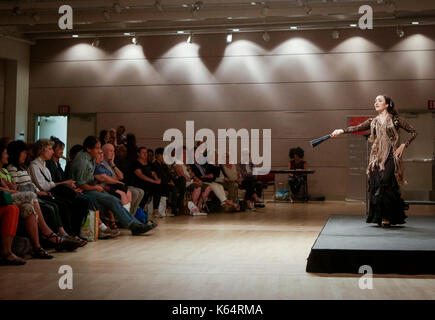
{"x":336,"y":133}
{"x":399,"y":150}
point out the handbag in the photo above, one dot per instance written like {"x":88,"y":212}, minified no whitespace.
{"x":63,"y":191}
{"x":5,"y":198}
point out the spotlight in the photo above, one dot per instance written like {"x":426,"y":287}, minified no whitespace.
{"x":117,"y":7}
{"x":266,"y":36}
{"x":335,"y":34}
{"x":400,"y":32}
{"x":96,"y":43}
{"x":158,"y":5}
{"x":106,"y":15}
{"x":229,"y":37}
{"x":189,"y":38}
{"x":134,"y":40}
{"x":196,"y":7}
{"x":264,"y":10}
{"x":308,"y":10}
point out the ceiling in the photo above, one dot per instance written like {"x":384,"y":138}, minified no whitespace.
{"x":38,"y":19}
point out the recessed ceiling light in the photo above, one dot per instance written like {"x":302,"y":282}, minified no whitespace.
{"x":236,"y":30}
{"x":229,"y":18}
{"x":75,"y":35}
{"x":253,"y":3}
{"x":185,"y":5}
{"x":415,"y":22}
{"x":293,"y":28}
{"x":127,"y":34}
{"x":353,"y":25}
{"x":180,"y":32}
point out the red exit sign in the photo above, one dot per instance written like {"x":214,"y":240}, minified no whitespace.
{"x":431,"y":105}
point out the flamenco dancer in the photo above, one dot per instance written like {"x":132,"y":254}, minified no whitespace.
{"x":385,"y":170}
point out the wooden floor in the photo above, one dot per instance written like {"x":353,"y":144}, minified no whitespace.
{"x":252,"y":255}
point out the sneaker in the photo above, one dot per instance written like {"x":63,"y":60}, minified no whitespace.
{"x":106,"y":234}
{"x":114,"y":233}
{"x":199,"y":213}
{"x":158,"y":214}
{"x":169,"y":213}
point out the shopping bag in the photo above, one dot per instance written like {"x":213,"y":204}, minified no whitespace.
{"x":89,"y":229}
{"x":141,"y":215}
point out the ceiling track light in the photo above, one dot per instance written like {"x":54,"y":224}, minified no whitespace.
{"x":229,"y":37}
{"x":106,"y":15}
{"x":117,"y":7}
{"x":134,"y":41}
{"x":189,"y":38}
{"x":158,"y":5}
{"x":266,"y":36}
{"x":308,"y":10}
{"x":265,"y":9}
{"x":196,"y":7}
{"x":400,"y":32}
{"x":96,"y":43}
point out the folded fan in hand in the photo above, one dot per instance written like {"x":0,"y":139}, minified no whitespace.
{"x":318,"y":141}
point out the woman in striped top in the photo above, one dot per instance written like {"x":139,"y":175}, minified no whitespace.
{"x":17,"y":151}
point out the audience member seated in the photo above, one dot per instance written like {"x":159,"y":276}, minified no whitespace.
{"x":108,"y":167}
{"x":296,"y":180}
{"x":145,"y":178}
{"x":104,"y":137}
{"x":30,"y":212}
{"x":231,"y":180}
{"x":200,"y":191}
{"x":150,"y":156}
{"x":168,"y":187}
{"x":4,"y":141}
{"x":9,"y":222}
{"x":120,"y":137}
{"x":73,"y":210}
{"x":17,"y":151}
{"x":207,"y":174}
{"x":83,"y":168}
{"x":251,"y":185}
{"x":72,"y":154}
{"x":112,"y":137}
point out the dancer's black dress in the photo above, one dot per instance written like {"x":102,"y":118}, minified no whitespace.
{"x":385,"y":170}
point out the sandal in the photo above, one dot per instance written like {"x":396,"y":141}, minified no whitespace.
{"x":60,"y":243}
{"x":17,"y":261}
{"x":40,"y":253}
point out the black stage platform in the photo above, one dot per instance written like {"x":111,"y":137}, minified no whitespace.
{"x":348,"y":242}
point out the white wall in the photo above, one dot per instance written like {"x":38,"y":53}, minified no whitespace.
{"x":300,"y":84}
